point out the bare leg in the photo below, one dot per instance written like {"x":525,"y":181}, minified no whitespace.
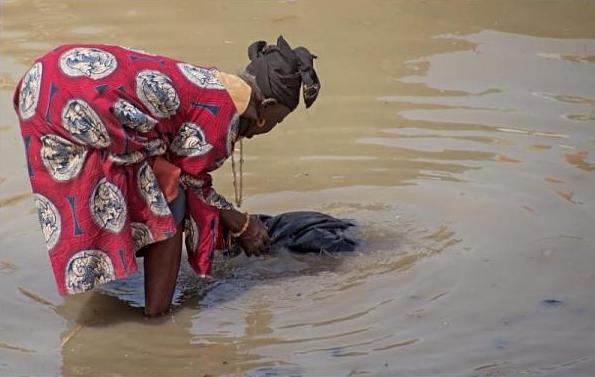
{"x":162,"y":263}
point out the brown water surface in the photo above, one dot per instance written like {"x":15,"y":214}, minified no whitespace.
{"x":459,"y":134}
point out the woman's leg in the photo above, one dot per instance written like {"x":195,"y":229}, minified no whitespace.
{"x":162,"y":263}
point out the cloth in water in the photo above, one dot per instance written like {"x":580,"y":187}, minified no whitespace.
{"x":310,"y":232}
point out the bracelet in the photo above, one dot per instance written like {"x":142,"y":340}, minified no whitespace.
{"x":244,"y":228}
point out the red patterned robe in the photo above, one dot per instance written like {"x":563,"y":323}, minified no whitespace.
{"x":94,"y":120}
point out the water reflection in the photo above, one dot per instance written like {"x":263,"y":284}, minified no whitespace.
{"x":113,"y":339}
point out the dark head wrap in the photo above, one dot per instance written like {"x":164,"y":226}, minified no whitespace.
{"x":280,"y":72}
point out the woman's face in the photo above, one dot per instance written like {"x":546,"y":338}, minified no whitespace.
{"x":272,"y":114}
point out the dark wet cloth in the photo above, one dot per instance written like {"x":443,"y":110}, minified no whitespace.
{"x":310,"y":232}
{"x":280,"y":71}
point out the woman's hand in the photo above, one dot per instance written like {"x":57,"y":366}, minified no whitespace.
{"x":255,"y":240}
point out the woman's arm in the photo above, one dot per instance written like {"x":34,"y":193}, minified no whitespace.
{"x":255,"y":239}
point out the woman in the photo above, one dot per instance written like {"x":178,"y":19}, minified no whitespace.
{"x":119,"y":147}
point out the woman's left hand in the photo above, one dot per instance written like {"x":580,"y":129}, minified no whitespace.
{"x":255,"y":240}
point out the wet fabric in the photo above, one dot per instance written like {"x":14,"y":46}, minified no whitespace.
{"x":94,"y":118}
{"x":310,"y":232}
{"x":281,"y":71}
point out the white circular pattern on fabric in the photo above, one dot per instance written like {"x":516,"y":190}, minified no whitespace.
{"x":202,"y":77}
{"x":151,"y":191}
{"x":192,"y":182}
{"x":214,"y":199}
{"x":127,"y":159}
{"x":192,"y":236}
{"x":131,"y":117}
{"x":29,"y":93}
{"x":155,"y":147}
{"x":84,"y":124}
{"x":108,"y":206}
{"x":157,"y":93}
{"x":142,"y":235}
{"x":190,"y":141}
{"x":93,"y":63}
{"x":88,"y":269}
{"x":62,"y":159}
{"x":49,"y":219}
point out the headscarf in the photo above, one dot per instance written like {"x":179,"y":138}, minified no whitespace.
{"x":280,"y":72}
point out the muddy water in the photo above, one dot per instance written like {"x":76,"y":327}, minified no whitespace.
{"x":461,"y":135}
